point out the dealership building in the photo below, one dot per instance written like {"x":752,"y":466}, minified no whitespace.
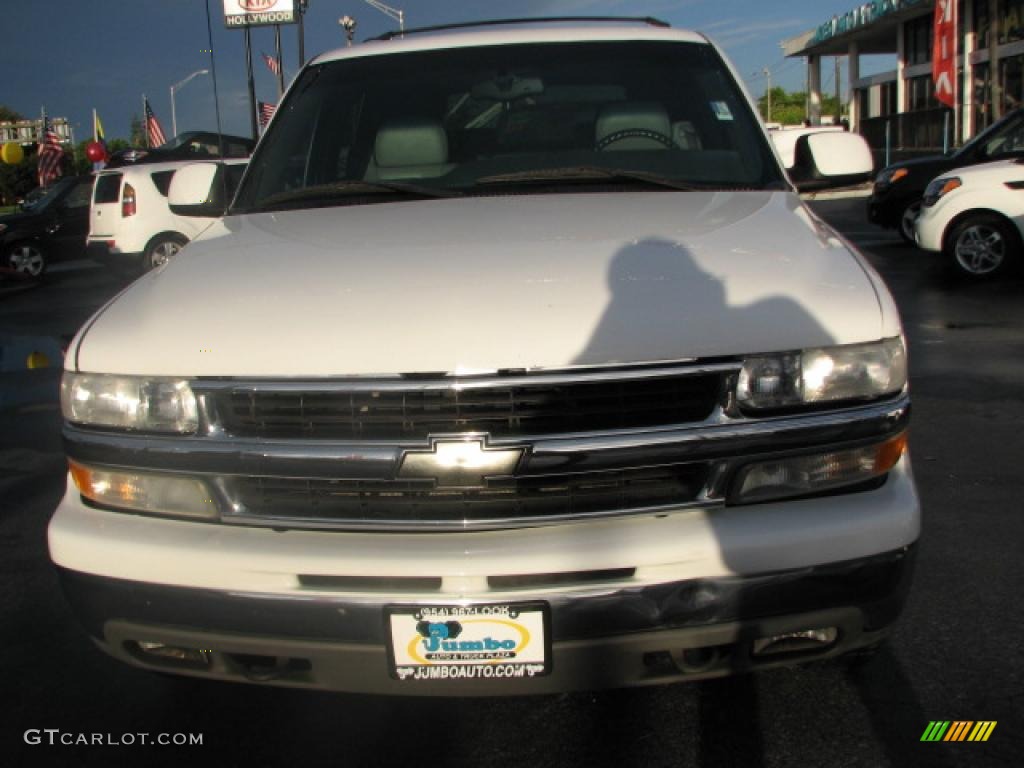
{"x":898,"y":107}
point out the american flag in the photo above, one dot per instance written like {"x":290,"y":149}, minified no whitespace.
{"x":272,"y":64}
{"x":50,"y":154}
{"x":154,"y":133}
{"x":266,"y":112}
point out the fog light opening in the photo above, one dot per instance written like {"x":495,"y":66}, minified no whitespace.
{"x":152,"y":651}
{"x":802,"y":641}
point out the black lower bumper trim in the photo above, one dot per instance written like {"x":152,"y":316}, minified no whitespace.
{"x":877,"y":586}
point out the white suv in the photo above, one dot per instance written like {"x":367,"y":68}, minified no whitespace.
{"x":517,"y":365}
{"x":130,"y":223}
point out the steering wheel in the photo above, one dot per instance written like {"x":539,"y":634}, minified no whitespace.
{"x":635,"y":133}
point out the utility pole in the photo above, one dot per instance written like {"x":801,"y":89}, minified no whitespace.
{"x":839,"y":103}
{"x":768,"y":93}
{"x":302,"y":6}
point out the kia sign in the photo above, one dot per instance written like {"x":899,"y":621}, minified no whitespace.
{"x":944,"y":52}
{"x":255,"y":13}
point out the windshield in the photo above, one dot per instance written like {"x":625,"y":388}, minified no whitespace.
{"x":535,"y":118}
{"x":45,"y":197}
{"x":1002,"y":137}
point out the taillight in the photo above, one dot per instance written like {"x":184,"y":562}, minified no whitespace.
{"x":128,"y":201}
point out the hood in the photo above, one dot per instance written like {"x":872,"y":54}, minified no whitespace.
{"x":925,"y":167}
{"x":491,"y":283}
{"x":18,"y":218}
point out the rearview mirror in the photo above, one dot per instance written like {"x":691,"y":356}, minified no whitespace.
{"x":198,"y":189}
{"x":507,"y":88}
{"x":832,"y":159}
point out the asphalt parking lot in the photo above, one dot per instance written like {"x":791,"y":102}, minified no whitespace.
{"x":955,"y":654}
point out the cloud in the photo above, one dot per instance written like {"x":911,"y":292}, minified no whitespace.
{"x":734,"y":32}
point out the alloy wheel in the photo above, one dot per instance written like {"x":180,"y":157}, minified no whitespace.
{"x":980,"y":249}
{"x":908,"y":220}
{"x":27,"y":258}
{"x":162,"y":253}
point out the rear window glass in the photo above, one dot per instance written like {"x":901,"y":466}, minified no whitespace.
{"x":108,"y":188}
{"x":162,"y":180}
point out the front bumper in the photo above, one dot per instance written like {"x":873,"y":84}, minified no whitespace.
{"x":885,"y":207}
{"x":610,"y":637}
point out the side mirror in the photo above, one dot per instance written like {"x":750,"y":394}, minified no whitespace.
{"x":198,"y":189}
{"x":832,"y":159}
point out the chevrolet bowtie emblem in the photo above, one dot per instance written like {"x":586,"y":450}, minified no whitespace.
{"x":459,"y":463}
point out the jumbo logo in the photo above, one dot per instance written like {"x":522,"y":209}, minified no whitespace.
{"x":438,"y":641}
{"x":256,"y":6}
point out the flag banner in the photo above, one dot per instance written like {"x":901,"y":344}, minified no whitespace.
{"x":257,"y":13}
{"x":944,"y":52}
{"x":154,"y":133}
{"x":50,"y":154}
{"x":266,"y":111}
{"x":97,"y":128}
{"x":271,"y":63}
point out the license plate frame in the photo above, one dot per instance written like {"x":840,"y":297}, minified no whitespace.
{"x":492,"y":641}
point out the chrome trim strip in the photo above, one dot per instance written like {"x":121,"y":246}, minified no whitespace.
{"x":456,"y":382}
{"x":451,"y":526}
{"x":728,"y":439}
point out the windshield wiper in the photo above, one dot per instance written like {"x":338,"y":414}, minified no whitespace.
{"x":348,"y":188}
{"x":591,"y":173}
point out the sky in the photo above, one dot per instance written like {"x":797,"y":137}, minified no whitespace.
{"x":71,"y":56}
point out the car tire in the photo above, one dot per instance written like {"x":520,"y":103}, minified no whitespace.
{"x":161,"y":249}
{"x":907,"y":219}
{"x":981,"y":247}
{"x":26,"y":257}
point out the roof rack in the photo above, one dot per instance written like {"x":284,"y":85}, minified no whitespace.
{"x":648,"y":20}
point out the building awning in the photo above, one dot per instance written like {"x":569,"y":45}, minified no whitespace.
{"x":871,"y":25}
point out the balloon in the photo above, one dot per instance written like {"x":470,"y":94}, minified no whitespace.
{"x":12,"y":153}
{"x":96,"y":152}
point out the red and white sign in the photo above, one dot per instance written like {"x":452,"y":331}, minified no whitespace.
{"x":253,"y":13}
{"x":944,"y":52}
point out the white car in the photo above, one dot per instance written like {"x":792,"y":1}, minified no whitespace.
{"x":516,"y":365}
{"x":130,"y":223}
{"x":975,"y":217}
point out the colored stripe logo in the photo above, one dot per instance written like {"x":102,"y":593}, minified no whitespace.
{"x":958,"y":730}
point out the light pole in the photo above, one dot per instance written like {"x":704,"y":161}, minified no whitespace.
{"x":349,"y":25}
{"x":175,"y":87}
{"x":394,"y":13}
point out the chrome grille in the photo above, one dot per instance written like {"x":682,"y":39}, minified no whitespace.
{"x":522,"y":408}
{"x":415,"y":504}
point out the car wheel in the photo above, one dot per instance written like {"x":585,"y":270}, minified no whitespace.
{"x":907,"y":221}
{"x":161,"y":250}
{"x":983,"y":246}
{"x":27,"y":258}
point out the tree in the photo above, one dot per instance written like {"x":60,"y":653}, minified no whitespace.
{"x":790,"y":107}
{"x":137,"y":137}
{"x":16,"y":180}
{"x":8,"y":115}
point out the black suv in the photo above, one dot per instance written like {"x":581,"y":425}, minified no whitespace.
{"x":193,"y":145}
{"x":895,"y":201}
{"x":52,"y":228}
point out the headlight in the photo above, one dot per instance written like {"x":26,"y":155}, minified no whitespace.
{"x":940,"y":187}
{"x":128,"y":402}
{"x":851,"y":372}
{"x":891,"y":175}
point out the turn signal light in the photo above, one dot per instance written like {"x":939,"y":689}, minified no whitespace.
{"x":815,"y":473}
{"x":156,"y":493}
